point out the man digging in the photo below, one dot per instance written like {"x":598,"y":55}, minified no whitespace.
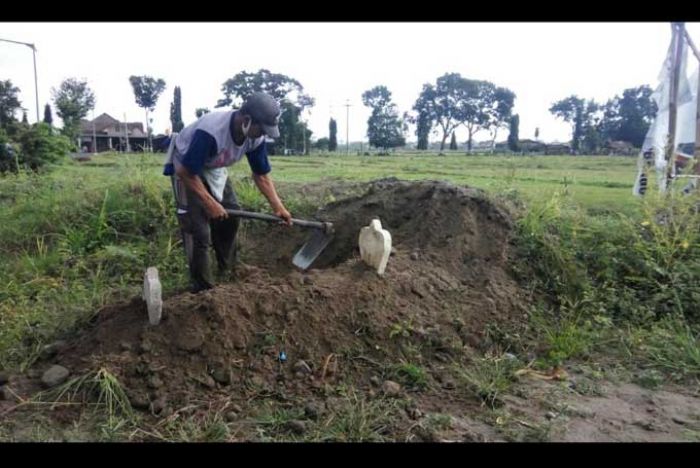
{"x":196,"y":162}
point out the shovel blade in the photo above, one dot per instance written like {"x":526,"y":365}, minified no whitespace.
{"x":312,"y":249}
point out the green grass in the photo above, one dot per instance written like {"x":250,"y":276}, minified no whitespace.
{"x":611,"y":279}
{"x":488,"y":378}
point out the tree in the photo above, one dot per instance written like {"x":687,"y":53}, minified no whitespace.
{"x":146,"y":92}
{"x":322,"y":144}
{"x":442,"y":103}
{"x":627,"y":118}
{"x":384,"y":127}
{"x":496,"y":104}
{"x":571,"y":110}
{"x":332,"y":135}
{"x":591,"y":135}
{"x":24,"y":118}
{"x":288,"y":91}
{"x":454,"y":101}
{"x":453,"y":142}
{"x":513,"y":137}
{"x":537,"y":132}
{"x":48,"y":118}
{"x":33,"y":147}
{"x":200,"y":111}
{"x":277,"y":85}
{"x":176,"y":111}
{"x":73,"y":100}
{"x":9,"y":102}
{"x":424,"y":118}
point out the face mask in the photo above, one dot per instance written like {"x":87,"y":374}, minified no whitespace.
{"x":245,"y":127}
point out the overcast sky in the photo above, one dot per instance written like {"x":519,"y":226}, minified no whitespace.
{"x":540,"y":62}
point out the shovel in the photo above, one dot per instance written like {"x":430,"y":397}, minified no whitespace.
{"x":321,"y":237}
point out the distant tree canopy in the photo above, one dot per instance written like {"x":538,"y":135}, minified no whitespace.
{"x":200,"y":111}
{"x":455,"y":100}
{"x":146,"y":92}
{"x":332,"y":135}
{"x":176,"y":111}
{"x":9,"y":102}
{"x":73,"y":100}
{"x":48,"y":117}
{"x":623,"y":118}
{"x":294,"y":134}
{"x":384,"y":126}
{"x":513,"y":137}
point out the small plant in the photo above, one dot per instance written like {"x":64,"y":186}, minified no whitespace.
{"x":489,"y":377}
{"x":411,"y":375}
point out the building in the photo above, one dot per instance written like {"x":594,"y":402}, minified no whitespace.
{"x":110,"y":135}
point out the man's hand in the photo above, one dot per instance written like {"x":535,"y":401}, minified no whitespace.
{"x":216,"y":211}
{"x":284,"y":214}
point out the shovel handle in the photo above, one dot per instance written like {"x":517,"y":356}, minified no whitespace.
{"x":325,"y":227}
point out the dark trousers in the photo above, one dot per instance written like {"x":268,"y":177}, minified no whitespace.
{"x":199,"y":232}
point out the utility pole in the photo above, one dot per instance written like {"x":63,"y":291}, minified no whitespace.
{"x":347,"y":126}
{"x":94,"y":134}
{"x":678,"y":30}
{"x":36,"y":81}
{"x":126,"y":134}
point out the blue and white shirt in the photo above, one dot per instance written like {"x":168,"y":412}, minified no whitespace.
{"x":206,"y":148}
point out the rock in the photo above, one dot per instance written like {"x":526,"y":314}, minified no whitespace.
{"x":145,"y":347}
{"x":510,"y":356}
{"x":393,"y":251}
{"x":50,"y":350}
{"x":312,"y":411}
{"x":415,"y":413}
{"x":441,"y":357}
{"x":296,"y":426}
{"x":391,"y":389}
{"x":154,"y":382}
{"x":307,"y":280}
{"x":301,"y":366}
{"x":158,"y":405}
{"x":222,"y":376}
{"x":189,"y":342}
{"x":414,"y":256}
{"x":56,"y":375}
{"x":139,"y":401}
{"x":449,"y":384}
{"x":4,"y":378}
{"x":231,"y":416}
{"x":550,"y":415}
{"x":208,"y":381}
{"x":239,"y":342}
{"x":376,"y":381}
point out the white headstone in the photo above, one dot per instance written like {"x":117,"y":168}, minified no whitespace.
{"x":152,"y":295}
{"x":375,"y":245}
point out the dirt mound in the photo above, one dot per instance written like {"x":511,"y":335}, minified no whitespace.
{"x":446,"y":281}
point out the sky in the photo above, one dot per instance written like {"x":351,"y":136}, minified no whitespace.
{"x":337,"y":62}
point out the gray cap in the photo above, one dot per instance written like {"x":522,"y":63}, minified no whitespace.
{"x":265,"y":111}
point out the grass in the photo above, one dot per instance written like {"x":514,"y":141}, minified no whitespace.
{"x":488,"y":378}
{"x":615,"y":276}
{"x":99,"y":389}
{"x":411,"y":375}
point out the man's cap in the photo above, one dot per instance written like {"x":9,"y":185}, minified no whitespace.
{"x":264,"y":110}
